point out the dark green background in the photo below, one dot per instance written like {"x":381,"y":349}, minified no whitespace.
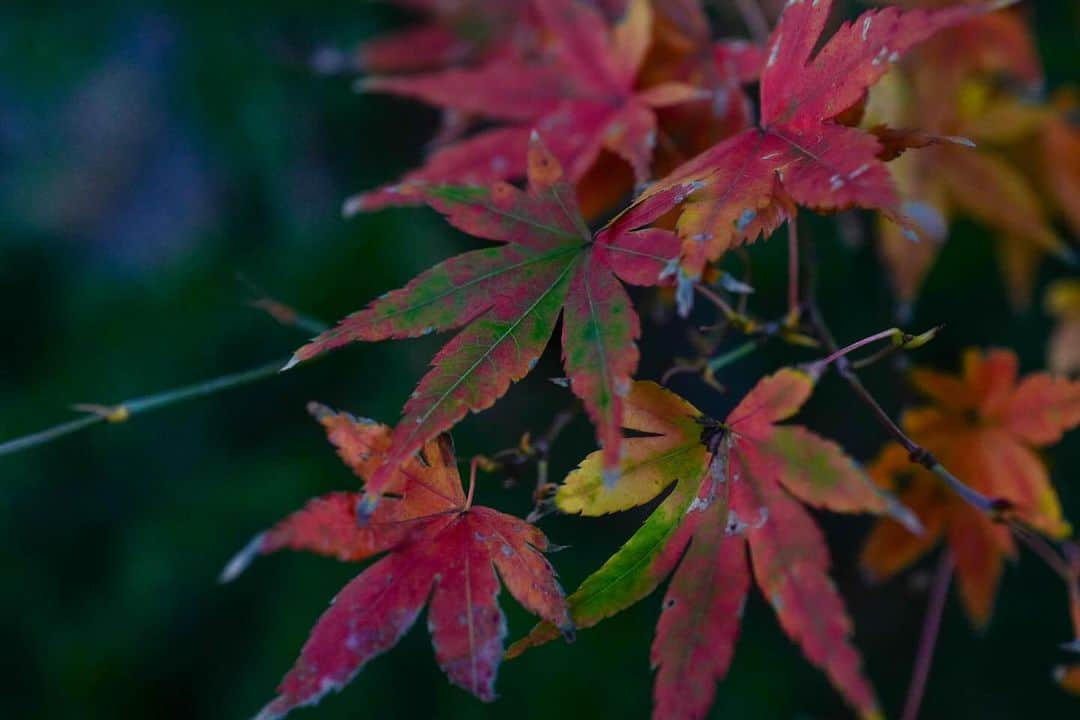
{"x":150,"y":152}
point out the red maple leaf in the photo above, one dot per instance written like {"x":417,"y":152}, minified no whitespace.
{"x":438,"y":545}
{"x":736,"y":487}
{"x":983,"y":426}
{"x":509,"y":298}
{"x":799,"y":153}
{"x":581,"y":95}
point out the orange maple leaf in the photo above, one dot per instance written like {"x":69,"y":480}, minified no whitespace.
{"x":984,"y":426}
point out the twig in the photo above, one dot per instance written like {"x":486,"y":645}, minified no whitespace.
{"x":136,"y":406}
{"x":123,"y":411}
{"x":924,"y":657}
{"x":918,"y":454}
{"x":869,"y":340}
{"x":900,"y":341}
{"x":1036,"y":544}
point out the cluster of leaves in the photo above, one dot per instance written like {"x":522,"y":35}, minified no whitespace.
{"x":630,"y":111}
{"x":982,"y":80}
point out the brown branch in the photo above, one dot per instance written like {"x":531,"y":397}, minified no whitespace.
{"x":918,"y":454}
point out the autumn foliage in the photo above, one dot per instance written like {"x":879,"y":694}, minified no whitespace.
{"x":593,"y":145}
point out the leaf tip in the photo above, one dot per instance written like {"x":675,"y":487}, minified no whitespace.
{"x":241,"y":560}
{"x":352,"y":206}
{"x":293,"y":362}
{"x":270,"y":712}
{"x":904,"y":515}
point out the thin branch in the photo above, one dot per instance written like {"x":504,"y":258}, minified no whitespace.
{"x":1037,"y":545}
{"x":924,"y":657}
{"x":46,"y":436}
{"x":918,"y":454}
{"x":125,"y":410}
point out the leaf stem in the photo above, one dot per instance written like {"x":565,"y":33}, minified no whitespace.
{"x":793,"y":270}
{"x":472,"y":480}
{"x":924,"y":657}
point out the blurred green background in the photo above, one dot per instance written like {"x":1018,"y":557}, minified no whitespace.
{"x":149,"y":154}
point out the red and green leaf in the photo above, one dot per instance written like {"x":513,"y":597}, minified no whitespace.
{"x":509,"y":298}
{"x":580,"y":93}
{"x":438,"y":547}
{"x":731,"y":495}
{"x":800,"y":154}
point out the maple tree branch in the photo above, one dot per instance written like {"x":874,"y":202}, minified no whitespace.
{"x":126,"y":409}
{"x":935,"y":608}
{"x":1067,"y":568}
{"x":916,"y":453}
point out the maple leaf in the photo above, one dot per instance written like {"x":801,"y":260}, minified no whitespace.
{"x":580,"y":95}
{"x":683,"y":50}
{"x":953,"y":86}
{"x":437,"y":545}
{"x":983,"y":426}
{"x":799,"y":154}
{"x":509,"y":298}
{"x":736,"y":486}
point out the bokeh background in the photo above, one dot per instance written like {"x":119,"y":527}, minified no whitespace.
{"x":151,"y":154}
